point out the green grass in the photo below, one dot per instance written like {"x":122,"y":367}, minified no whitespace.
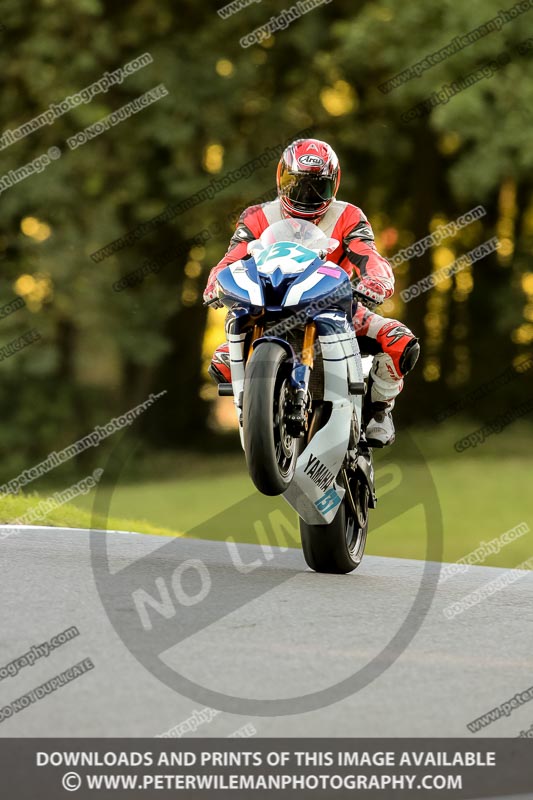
{"x":479,"y":501}
{"x":481,"y":494}
{"x":72,"y":516}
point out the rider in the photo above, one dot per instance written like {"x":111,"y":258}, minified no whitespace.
{"x":308,"y":179}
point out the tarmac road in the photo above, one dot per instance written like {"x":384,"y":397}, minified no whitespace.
{"x":296,"y":633}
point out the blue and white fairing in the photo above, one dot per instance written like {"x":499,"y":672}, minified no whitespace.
{"x":281,"y":273}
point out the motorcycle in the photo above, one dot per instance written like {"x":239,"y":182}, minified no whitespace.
{"x":298,"y":381}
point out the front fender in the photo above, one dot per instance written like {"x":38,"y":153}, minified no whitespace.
{"x":282,"y":343}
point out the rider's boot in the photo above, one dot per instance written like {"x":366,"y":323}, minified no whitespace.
{"x":384,"y":385}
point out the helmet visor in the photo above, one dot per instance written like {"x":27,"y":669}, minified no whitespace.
{"x":308,"y":191}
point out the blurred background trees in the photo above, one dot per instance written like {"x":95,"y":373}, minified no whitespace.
{"x":104,"y":351}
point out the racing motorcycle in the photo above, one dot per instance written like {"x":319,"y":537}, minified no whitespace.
{"x":298,"y":381}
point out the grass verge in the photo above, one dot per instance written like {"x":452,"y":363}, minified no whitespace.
{"x":12,"y":507}
{"x":482,"y":493}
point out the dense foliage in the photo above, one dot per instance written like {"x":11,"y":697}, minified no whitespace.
{"x":103,"y":351}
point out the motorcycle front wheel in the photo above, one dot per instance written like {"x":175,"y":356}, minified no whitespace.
{"x":271,"y":453}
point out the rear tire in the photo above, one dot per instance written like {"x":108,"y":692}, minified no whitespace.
{"x":339,"y":547}
{"x":271,"y":453}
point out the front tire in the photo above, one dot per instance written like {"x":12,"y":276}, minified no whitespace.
{"x":339,"y":546}
{"x":271,"y":453}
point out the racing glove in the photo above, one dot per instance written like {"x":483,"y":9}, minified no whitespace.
{"x":211,"y":290}
{"x":375,"y":290}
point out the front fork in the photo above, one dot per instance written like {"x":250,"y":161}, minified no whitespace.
{"x":241,"y":344}
{"x":237,"y":331}
{"x":299,"y":405}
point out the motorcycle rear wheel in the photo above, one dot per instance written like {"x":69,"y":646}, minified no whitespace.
{"x":339,"y":546}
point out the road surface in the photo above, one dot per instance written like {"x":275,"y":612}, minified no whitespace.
{"x":299,"y":635}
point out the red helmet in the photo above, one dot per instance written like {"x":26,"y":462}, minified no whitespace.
{"x":308,"y":178}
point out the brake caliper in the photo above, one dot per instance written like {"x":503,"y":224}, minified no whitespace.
{"x":297,"y":412}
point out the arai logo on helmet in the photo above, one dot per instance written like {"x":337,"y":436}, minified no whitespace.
{"x":311,"y":161}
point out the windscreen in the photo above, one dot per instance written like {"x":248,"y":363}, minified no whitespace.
{"x":297,"y":230}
